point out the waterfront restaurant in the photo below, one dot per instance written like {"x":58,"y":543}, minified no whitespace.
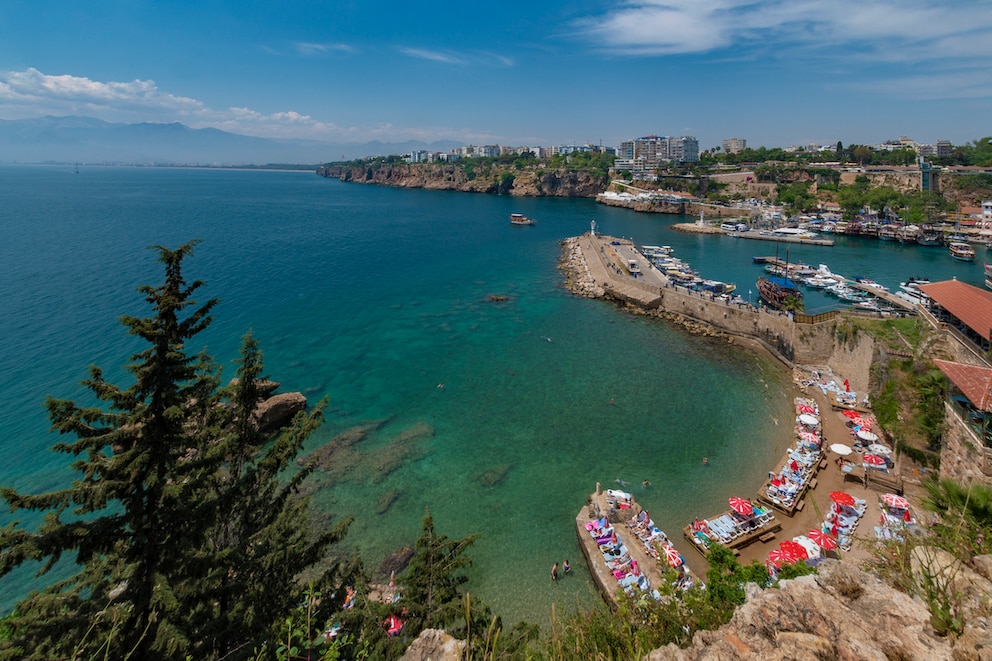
{"x":970,"y":395}
{"x":965,"y":308}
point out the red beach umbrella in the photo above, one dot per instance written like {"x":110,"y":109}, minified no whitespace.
{"x":778,"y":557}
{"x":873,"y":459}
{"x":898,"y":502}
{"x":850,"y":414}
{"x":822,"y":539}
{"x":794,"y":549}
{"x":842,"y":498}
{"x":740,"y":505}
{"x":673,"y":556}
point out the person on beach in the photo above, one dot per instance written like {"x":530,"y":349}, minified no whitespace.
{"x":565,"y":567}
{"x":554,"y":572}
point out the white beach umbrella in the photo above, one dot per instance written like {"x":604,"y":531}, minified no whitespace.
{"x":809,"y":420}
{"x":841,"y":449}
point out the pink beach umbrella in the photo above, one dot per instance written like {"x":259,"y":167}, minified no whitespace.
{"x":822,"y":539}
{"x":898,"y":502}
{"x":873,"y":459}
{"x":740,"y":505}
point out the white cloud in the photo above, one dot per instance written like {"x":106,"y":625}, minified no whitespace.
{"x":31,"y":93}
{"x":456,"y":58}
{"x":915,"y":29}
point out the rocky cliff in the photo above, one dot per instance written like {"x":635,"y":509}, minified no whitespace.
{"x":474,"y":178}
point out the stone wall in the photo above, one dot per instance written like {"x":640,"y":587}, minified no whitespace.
{"x":964,"y":457}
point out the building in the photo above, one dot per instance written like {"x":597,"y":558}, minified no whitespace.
{"x":651,"y":152}
{"x":733,"y":145}
{"x":943,"y":148}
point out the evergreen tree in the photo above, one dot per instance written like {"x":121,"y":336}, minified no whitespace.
{"x":183,"y":538}
{"x":432,"y":580}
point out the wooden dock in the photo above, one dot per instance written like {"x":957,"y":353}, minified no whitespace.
{"x":763,"y":533}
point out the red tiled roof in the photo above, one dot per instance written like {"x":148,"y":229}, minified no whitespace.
{"x":975,"y":382}
{"x":973,"y":306}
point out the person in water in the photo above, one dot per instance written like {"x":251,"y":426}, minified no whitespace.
{"x":706,"y":461}
{"x":554,"y":572}
{"x":565,"y":567}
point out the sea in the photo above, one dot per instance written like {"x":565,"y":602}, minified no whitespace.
{"x":471,"y":383}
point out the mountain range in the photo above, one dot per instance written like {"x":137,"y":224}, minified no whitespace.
{"x":75,"y":139}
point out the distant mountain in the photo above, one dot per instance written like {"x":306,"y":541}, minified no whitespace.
{"x":87,"y":140}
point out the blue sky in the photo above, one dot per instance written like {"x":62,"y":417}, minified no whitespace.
{"x":520,"y":73}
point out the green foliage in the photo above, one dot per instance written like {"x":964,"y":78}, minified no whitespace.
{"x":930,"y":406}
{"x":184,"y":540}
{"x":797,"y":195}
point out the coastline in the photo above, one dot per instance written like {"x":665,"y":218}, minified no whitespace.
{"x":591,"y":278}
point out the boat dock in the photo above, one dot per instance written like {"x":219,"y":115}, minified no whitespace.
{"x":883,"y":295}
{"x":768,"y":236}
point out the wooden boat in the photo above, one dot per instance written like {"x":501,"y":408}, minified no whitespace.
{"x":776,"y":291}
{"x":520,"y":219}
{"x":961,"y":251}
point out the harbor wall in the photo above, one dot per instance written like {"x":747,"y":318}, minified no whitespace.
{"x":825,"y":340}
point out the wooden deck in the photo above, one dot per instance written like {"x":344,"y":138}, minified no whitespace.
{"x":764,"y":533}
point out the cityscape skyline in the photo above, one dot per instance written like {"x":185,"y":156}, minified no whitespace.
{"x":777,"y":74}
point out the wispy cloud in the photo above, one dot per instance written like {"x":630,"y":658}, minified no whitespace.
{"x":480,"y":58}
{"x":865,"y":33}
{"x":433,"y":56}
{"x":310,"y":49}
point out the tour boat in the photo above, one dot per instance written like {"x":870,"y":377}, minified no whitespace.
{"x":775,"y":291}
{"x":520,"y":219}
{"x":963,"y":252}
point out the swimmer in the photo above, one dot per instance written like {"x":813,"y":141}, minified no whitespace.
{"x":622,"y":483}
{"x":706,"y":461}
{"x":611,"y":401}
{"x":645,"y":483}
{"x":440,"y":385}
{"x":554,"y":572}
{"x":565,"y":567}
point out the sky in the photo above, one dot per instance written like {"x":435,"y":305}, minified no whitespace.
{"x":544,"y":72}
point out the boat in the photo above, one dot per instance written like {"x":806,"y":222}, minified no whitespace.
{"x":929,"y":237}
{"x":520,"y":219}
{"x":988,"y":276}
{"x":776,"y":291}
{"x":961,"y":251}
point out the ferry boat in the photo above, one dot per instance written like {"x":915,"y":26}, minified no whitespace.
{"x":520,"y":219}
{"x":775,"y":291}
{"x":963,"y":252}
{"x":988,"y":276}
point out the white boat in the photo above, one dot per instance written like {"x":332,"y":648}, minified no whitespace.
{"x":988,"y":276}
{"x":910,"y":291}
{"x":961,"y":251}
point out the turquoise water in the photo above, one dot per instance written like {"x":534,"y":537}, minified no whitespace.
{"x":376,"y":296}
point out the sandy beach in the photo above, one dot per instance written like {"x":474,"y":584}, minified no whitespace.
{"x":831,"y":478}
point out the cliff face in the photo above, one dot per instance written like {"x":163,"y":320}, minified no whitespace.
{"x":537,"y":182}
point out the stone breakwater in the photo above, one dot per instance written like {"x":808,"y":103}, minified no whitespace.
{"x":593,"y":268}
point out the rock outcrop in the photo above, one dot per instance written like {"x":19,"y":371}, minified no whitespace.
{"x":434,"y":645}
{"x":501,"y":180}
{"x":278,"y":410}
{"x":578,"y":280}
{"x":841,"y":612}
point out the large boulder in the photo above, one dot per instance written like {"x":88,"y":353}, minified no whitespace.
{"x":278,"y":410}
{"x":434,"y":645}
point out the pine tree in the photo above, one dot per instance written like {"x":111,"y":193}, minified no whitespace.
{"x":432,"y":580}
{"x":184,"y":537}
